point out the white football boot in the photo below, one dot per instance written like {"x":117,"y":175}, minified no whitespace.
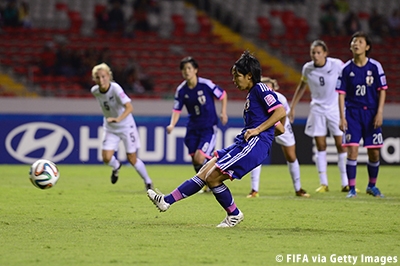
{"x":232,"y":220}
{"x":158,"y":200}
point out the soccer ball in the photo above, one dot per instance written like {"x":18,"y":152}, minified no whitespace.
{"x":44,"y":174}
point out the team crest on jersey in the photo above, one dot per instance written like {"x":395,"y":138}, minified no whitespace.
{"x":247,"y":104}
{"x":369,"y":80}
{"x":200,"y":92}
{"x":269,"y":99}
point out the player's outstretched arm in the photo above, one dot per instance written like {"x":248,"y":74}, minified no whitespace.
{"x":343,"y":121}
{"x":296,"y":98}
{"x":378,"y":120}
{"x":174,"y":119}
{"x":224,"y":115}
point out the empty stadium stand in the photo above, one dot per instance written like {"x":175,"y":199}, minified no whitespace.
{"x":285,"y":28}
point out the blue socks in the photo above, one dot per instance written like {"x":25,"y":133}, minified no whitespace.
{"x":351,"y":168}
{"x":186,"y":189}
{"x":225,"y":199}
{"x":373,"y":169}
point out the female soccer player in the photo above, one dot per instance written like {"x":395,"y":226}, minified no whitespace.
{"x":262,"y":110}
{"x":118,"y":123}
{"x":197,"y":95}
{"x":362,"y":90}
{"x":288,"y":144}
{"x":321,"y":75}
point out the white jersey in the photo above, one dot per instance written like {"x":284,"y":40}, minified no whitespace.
{"x":112,"y":104}
{"x":322,"y":83}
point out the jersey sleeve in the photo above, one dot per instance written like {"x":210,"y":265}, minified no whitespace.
{"x":121,"y":95}
{"x":341,"y":82}
{"x":218,"y":92}
{"x":269,"y":97}
{"x":178,"y":101}
{"x":304,"y":74}
{"x":381,"y":77}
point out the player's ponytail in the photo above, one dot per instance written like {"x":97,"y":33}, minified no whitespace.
{"x":247,"y":63}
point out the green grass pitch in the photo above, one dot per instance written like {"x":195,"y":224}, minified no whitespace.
{"x":84,"y":220}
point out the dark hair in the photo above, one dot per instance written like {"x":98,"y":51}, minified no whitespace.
{"x":188,"y":59}
{"x":366,"y":37}
{"x":319,"y":43}
{"x":247,"y":63}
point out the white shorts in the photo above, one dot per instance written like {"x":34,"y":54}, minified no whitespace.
{"x":286,"y":139}
{"x":318,"y":124}
{"x":130,"y":138}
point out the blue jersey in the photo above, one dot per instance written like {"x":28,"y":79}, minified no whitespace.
{"x":260,"y":102}
{"x":362,"y":84}
{"x":199,"y":103}
{"x":243,"y":156}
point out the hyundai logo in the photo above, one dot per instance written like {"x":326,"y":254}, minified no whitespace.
{"x":37,"y":140}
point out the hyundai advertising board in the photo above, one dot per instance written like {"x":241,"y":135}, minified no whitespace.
{"x":75,"y":139}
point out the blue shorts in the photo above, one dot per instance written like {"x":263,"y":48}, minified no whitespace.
{"x":201,"y":139}
{"x":240,"y":158}
{"x":360,"y":124}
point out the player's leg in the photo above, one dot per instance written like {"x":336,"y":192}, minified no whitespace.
{"x":288,"y":145}
{"x":342,"y":154}
{"x":351,"y":169}
{"x":352,"y":139}
{"x":373,"y":141}
{"x":321,"y":162}
{"x":294,"y":169}
{"x":255,"y":182}
{"x":205,"y":146}
{"x":333,"y":126}
{"x":140,"y":168}
{"x":215,"y":178}
{"x":234,"y":165}
{"x":131,"y":141}
{"x":316,"y":128}
{"x":186,"y":189}
{"x":109,"y":146}
{"x":191,"y":141}
{"x":373,"y":170}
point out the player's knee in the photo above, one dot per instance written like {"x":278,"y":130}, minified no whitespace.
{"x":198,"y":159}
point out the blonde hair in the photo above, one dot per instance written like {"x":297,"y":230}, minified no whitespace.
{"x":274,"y":82}
{"x":103,"y":66}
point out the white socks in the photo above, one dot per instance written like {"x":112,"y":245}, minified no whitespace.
{"x":294,"y":170}
{"x":342,"y":157}
{"x":114,"y":163}
{"x":321,"y":166}
{"x":141,"y":169}
{"x":255,"y":178}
